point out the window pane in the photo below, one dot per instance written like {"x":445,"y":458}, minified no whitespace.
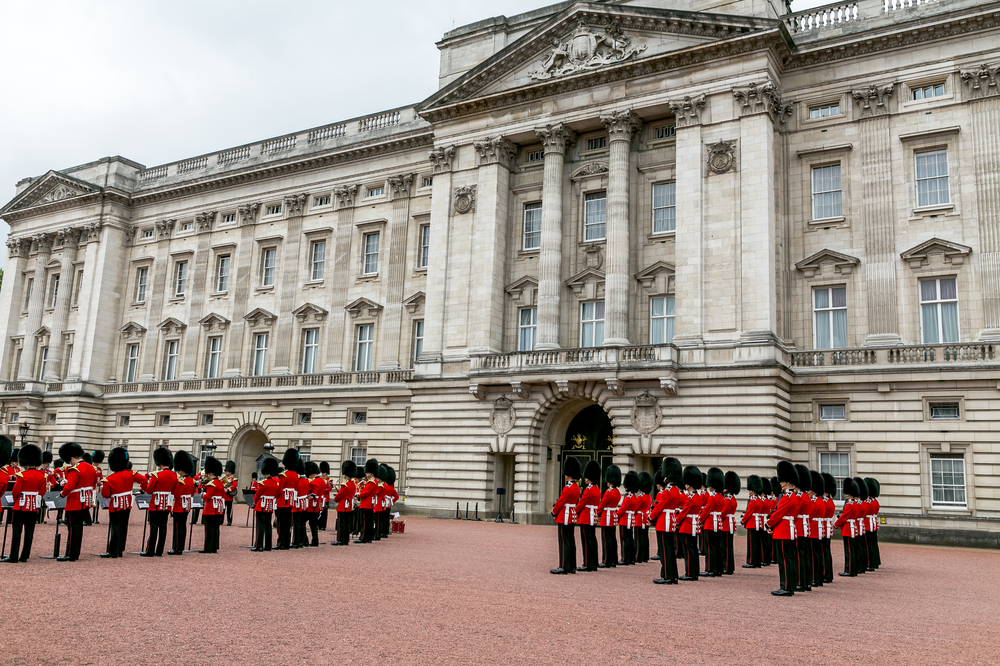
{"x":823,"y":330}
{"x":658,"y":331}
{"x":599,"y":310}
{"x":839,"y":328}
{"x":821,"y":297}
{"x":839,"y":297}
{"x":949,"y":322}
{"x":595,"y":208}
{"x":599,"y":333}
{"x":664,"y":207}
{"x":948,"y":291}
{"x":532,"y":226}
{"x":929,"y":324}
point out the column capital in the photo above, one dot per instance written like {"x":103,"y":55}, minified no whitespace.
{"x":205,"y":221}
{"x":442,"y":159}
{"x":164,"y":228}
{"x":70,"y":237}
{"x":687,"y":111}
{"x":295,"y":204}
{"x":556,"y":138}
{"x":496,"y":150}
{"x":763,"y":98}
{"x":402,"y":185}
{"x":982,"y":82}
{"x":346,"y":195}
{"x":43,"y":242}
{"x":18,"y":248}
{"x":91,"y":233}
{"x":622,"y":125}
{"x":248,"y":213}
{"x":874,"y":100}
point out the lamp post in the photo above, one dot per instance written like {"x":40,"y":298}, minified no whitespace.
{"x":23,"y":431}
{"x":269,"y":448}
{"x":210,"y":447}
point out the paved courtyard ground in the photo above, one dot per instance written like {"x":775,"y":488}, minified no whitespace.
{"x":455,"y":592}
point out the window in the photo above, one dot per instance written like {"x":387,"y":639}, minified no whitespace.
{"x":592,"y":324}
{"x":260,"y":354}
{"x":947,"y":481}
{"x":366,"y":340}
{"x":661,"y":320}
{"x":274,"y":210}
{"x":27,"y":293}
{"x":79,"y":287}
{"x":180,"y":279}
{"x":527,"y":329}
{"x":359,"y":418}
{"x":826,"y":192}
{"x":147,"y":233}
{"x":214,"y":357}
{"x":310,"y":350}
{"x":932,"y":178}
{"x":665,"y":131}
{"x":423,"y":259}
{"x":187,"y":226}
{"x":376,"y":191}
{"x":595,"y":209}
{"x":124,"y":420}
{"x":532,"y":226}
{"x":927,"y":92}
{"x":598,"y":143}
{"x":170,"y":371}
{"x":131,"y":363}
{"x":359,"y":454}
{"x":44,"y":358}
{"x":428,"y":181}
{"x":14,"y":417}
{"x":140,"y":284}
{"x":370,"y":265}
{"x":824,"y":111}
{"x":536,"y":156}
{"x":318,"y":260}
{"x":833,"y":412}
{"x":305,"y":418}
{"x":208,"y":419}
{"x":267,"y":258}
{"x":322,"y":201}
{"x":164,"y":419}
{"x":228,"y":218}
{"x":664,"y":207}
{"x":830,"y":318}
{"x":222,"y":273}
{"x":944,"y":410}
{"x":839,"y":466}
{"x":50,"y":418}
{"x":418,"y":339}
{"x":55,"y":291}
{"x":938,"y":311}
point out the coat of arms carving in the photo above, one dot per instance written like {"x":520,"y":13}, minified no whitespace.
{"x":587,"y":50}
{"x":465,"y":200}
{"x":502,"y":416}
{"x":646,"y":414}
{"x":721,"y":156}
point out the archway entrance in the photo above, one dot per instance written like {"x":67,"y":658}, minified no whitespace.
{"x":248,"y":448}
{"x":590,"y":437}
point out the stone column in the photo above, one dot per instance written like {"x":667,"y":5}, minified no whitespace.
{"x":103,"y":285}
{"x":284,"y":341}
{"x":390,"y":331}
{"x":196,"y":294}
{"x":346,"y":197}
{"x":155,"y":292}
{"x":53,"y":368}
{"x":622,"y":126}
{"x":442,"y":160}
{"x":555,"y":139}
{"x":240,"y":281}
{"x":35,"y":306}
{"x":10,"y":301}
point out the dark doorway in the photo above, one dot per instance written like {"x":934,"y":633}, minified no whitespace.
{"x":590,"y":437}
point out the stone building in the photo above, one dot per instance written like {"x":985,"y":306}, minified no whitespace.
{"x":619,"y":230}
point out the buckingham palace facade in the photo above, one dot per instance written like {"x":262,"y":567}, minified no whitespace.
{"x":622,"y":230}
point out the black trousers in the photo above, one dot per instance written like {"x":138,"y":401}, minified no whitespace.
{"x":805,"y":562}
{"x":788,"y":561}
{"x":668,"y":562}
{"x":713,"y":552}
{"x":213,"y":525}
{"x":827,"y":561}
{"x":386,"y":519}
{"x":312,"y":520}
{"x":770,"y":552}
{"x":157,"y":531}
{"x":119,"y":531}
{"x":642,"y":544}
{"x":229,"y":512}
{"x":816,"y":561}
{"x":861,"y":543}
{"x":263,"y":541}
{"x":850,"y":557}
{"x":345,"y":519}
{"x":874,"y":557}
{"x":95,"y":514}
{"x":284,"y":527}
{"x":691,"y":563}
{"x":377,"y":517}
{"x":180,"y":531}
{"x":588,"y":540}
{"x":567,"y":548}
{"x":610,"y":539}
{"x":680,"y":543}
{"x":322,"y":517}
{"x":728,"y":558}
{"x":75,"y":521}
{"x":368,"y":528}
{"x":24,"y":522}
{"x":754,"y":547}
{"x":627,"y":535}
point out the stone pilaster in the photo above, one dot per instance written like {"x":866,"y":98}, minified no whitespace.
{"x":285,"y":340}
{"x":346,"y":197}
{"x":98,"y":277}
{"x":239,"y":280}
{"x":60,"y":317}
{"x":622,"y":126}
{"x":196,"y":294}
{"x":390,"y":331}
{"x":155,"y":294}
{"x":442,"y":161}
{"x":689,"y":237}
{"x":10,"y":301}
{"x":35,"y":306}
{"x":555,"y":139}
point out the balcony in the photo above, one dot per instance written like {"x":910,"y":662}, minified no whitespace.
{"x":948,"y":355}
{"x":599,"y":360}
{"x":265,"y":382}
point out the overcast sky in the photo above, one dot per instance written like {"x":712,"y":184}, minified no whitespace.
{"x":160,"y":80}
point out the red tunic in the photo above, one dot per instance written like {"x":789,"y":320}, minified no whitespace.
{"x":729,"y":514}
{"x":265,"y":499}
{"x":4,"y":478}
{"x":587,"y":508}
{"x":690,"y":513}
{"x":378,"y":504}
{"x":161,"y":486}
{"x":627,"y":511}
{"x":782,"y":520}
{"x":849,"y":522}
{"x":231,"y":485}
{"x":608,"y":508}
{"x":803,"y":515}
{"x":288,"y":481}
{"x":317,"y":487}
{"x":712,"y":510}
{"x":873,"y":513}
{"x":117,"y":488}
{"x":368,"y":493}
{"x":645,"y":503}
{"x":564,"y":510}
{"x":344,"y":499}
{"x":390,"y":496}
{"x":817,"y":520}
{"x":29,"y":487}
{"x":182,"y":494}
{"x":668,"y":502}
{"x":81,"y":481}
{"x":301,"y":495}
{"x":215,"y":498}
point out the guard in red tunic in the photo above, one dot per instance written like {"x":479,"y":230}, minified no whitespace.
{"x":732,"y":489}
{"x":300,"y":511}
{"x":871,"y":535}
{"x":752,"y":521}
{"x":862,"y":517}
{"x":368,"y":494}
{"x":29,"y":488}
{"x":317,"y":487}
{"x":215,"y":505}
{"x":645,"y":500}
{"x":343,"y":502}
{"x":817,"y":528}
{"x":829,"y":510}
{"x":265,"y":502}
{"x":390,"y":498}
{"x":564,"y":511}
{"x":378,"y":503}
{"x":81,"y":479}
{"x":608,"y":512}
{"x":802,"y":517}
{"x":847,"y":523}
{"x":627,"y":518}
{"x":183,"y":491}
{"x":587,"y":515}
{"x":711,"y":521}
{"x":46,"y":469}
{"x":688,"y":524}
{"x":117,"y":489}
{"x":781,"y":524}
{"x":6,"y":450}
{"x":324,"y":473}
{"x":289,"y":482}
{"x":668,"y":504}
{"x":160,"y":487}
{"x":232,"y":487}
{"x":772,"y":504}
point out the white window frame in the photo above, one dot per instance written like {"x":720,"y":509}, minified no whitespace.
{"x":55,"y":290}
{"x":941,"y":405}
{"x":172,"y":352}
{"x":824,"y":111}
{"x":323,"y":200}
{"x":131,"y":363}
{"x":369,"y":258}
{"x":532,"y":227}
{"x":359,"y":455}
{"x":141,"y":278}
{"x":937,"y":177}
{"x":833,"y":416}
{"x":592,"y":326}
{"x":364,"y":348}
{"x":228,"y":218}
{"x":317,"y":259}
{"x":376,"y":191}
{"x":919,"y":93}
{"x":274,"y":209}
{"x":827,"y":175}
{"x":43,"y":362}
{"x":268,"y":266}
{"x":260,"y":343}
{"x":595,"y":218}
{"x":213,"y":369}
{"x":943,"y":471}
{"x":223,"y":261}
{"x":664,"y":214}
{"x":936,"y":304}
{"x":833,"y":460}
{"x":180,"y":279}
{"x":310,"y":350}
{"x":418,"y":338}
{"x":667,"y":318}
{"x":527,"y":331}
{"x":829,"y":311}
{"x":424,"y":245}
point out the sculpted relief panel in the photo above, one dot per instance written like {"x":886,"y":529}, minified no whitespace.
{"x":587,"y":49}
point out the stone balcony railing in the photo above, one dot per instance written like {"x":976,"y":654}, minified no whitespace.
{"x":851,"y":16}
{"x":576,"y":359}
{"x":964,"y":354}
{"x":262,"y":382}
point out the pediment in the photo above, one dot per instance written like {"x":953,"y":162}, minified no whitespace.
{"x":843,"y":264}
{"x":414,"y":302}
{"x":132,"y":330}
{"x":213,"y":320}
{"x":952,"y":253}
{"x":50,"y":188}
{"x":309,"y":312}
{"x":260,"y":315}
{"x":524,"y":290}
{"x":43,"y":332}
{"x":171,"y":325}
{"x":660,"y":275}
{"x":363,"y":306}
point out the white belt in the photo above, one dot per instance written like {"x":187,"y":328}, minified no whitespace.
{"x":118,"y":503}
{"x":732,"y":522}
{"x":186,"y":502}
{"x":289,"y":494}
{"x":80,"y":490}
{"x":854,"y":528}
{"x":568,"y":512}
{"x":805,"y":524}
{"x":758,"y":519}
{"x":694,"y":525}
{"x":819,"y":526}
{"x":791,"y":525}
{"x":593,"y":513}
{"x":267,"y":504}
{"x":157,"y":502}
{"x":30,"y":506}
{"x":716,"y":517}
{"x":219,"y":503}
{"x":610,"y":510}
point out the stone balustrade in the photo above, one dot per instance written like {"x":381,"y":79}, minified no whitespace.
{"x":856,"y":16}
{"x":645,"y":356}
{"x":261,"y":382}
{"x":974,"y":353}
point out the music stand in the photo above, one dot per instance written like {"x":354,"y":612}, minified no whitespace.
{"x":142,"y":503}
{"x":104,"y":503}
{"x":6,"y":502}
{"x":54,"y":500}
{"x":197,"y":502}
{"x":248,"y":497}
{"x":500,"y":495}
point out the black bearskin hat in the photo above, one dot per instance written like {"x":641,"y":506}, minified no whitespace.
{"x":672,"y":471}
{"x":213,"y":466}
{"x":231,"y":466}
{"x":253,"y":475}
{"x":70,"y":450}
{"x":98,"y":457}
{"x":645,"y":482}
{"x":311,"y":468}
{"x":733,"y":485}
{"x":787,"y":473}
{"x":631,"y":482}
{"x":270,"y":467}
{"x":613,"y":475}
{"x":874,"y":488}
{"x":817,"y":485}
{"x":658,"y":479}
{"x":805,"y":479}
{"x":716,"y":479}
{"x":290,"y":460}
{"x":571,"y":467}
{"x":829,"y":484}
{"x":348,"y":469}
{"x":300,"y":467}
{"x":118,"y":459}
{"x":184,"y":462}
{"x":755,"y":485}
{"x":849,"y":488}
{"x":324,"y":467}
{"x":382,"y":474}
{"x":862,"y":487}
{"x":87,"y":458}
{"x":592,"y":472}
{"x":57,"y":464}
{"x":371,"y":467}
{"x":46,"y":457}
{"x":775,"y":486}
{"x":391,"y":480}
{"x":692,"y":477}
{"x":6,"y":448}
{"x":29,"y":456}
{"x":163,"y":457}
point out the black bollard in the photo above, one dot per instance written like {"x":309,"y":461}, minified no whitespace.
{"x":512,"y":521}
{"x":477,"y":511}
{"x":466,"y":510}
{"x":458,"y":512}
